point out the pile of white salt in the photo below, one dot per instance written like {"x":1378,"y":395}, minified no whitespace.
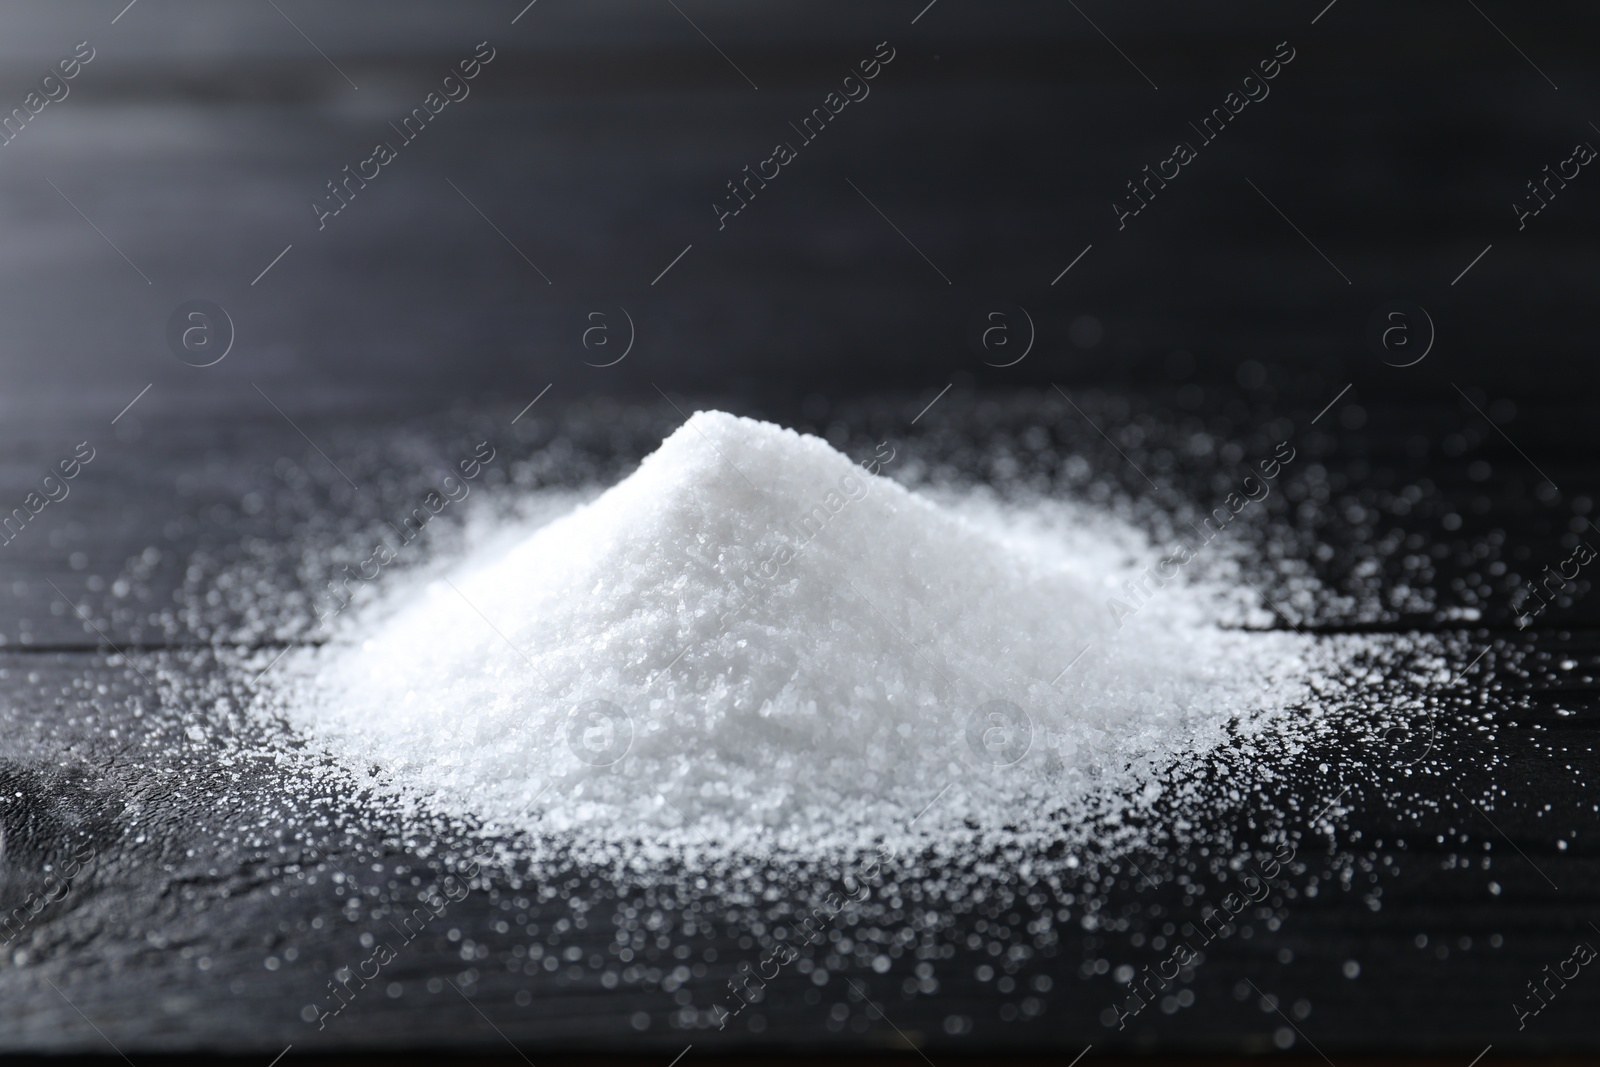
{"x":754,"y":639}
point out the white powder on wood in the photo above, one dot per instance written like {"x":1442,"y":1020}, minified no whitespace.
{"x":754,"y":641}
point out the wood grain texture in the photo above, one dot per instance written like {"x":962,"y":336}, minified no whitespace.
{"x":594,"y":145}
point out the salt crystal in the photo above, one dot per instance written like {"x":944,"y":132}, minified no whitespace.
{"x":754,"y":639}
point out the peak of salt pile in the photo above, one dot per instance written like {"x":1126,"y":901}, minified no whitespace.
{"x":754,"y":634}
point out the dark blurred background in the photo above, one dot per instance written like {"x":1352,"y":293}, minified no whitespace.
{"x":592,"y":148}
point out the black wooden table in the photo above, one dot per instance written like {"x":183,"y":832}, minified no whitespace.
{"x":1246,"y":302}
